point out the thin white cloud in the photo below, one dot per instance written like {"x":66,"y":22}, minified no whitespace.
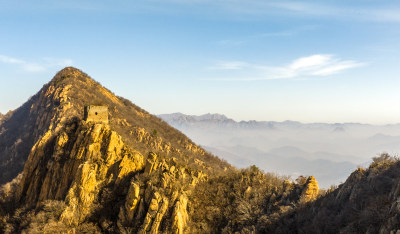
{"x":6,"y":59}
{"x":336,"y":68}
{"x":283,"y":33}
{"x":305,"y":67}
{"x":377,"y":11}
{"x":43,"y":65}
{"x":310,"y":62}
{"x":229,"y":65}
{"x":230,"y":42}
{"x":340,"y":10}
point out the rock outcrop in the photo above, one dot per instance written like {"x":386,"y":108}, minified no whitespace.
{"x":368,"y":202}
{"x":132,"y":172}
{"x":62,"y":172}
{"x":86,"y":164}
{"x":63,"y":100}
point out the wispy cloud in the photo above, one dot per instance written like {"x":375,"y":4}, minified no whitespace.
{"x":380,"y":11}
{"x":305,"y":67}
{"x":289,"y":32}
{"x":271,"y":34}
{"x":42,"y":65}
{"x":230,"y":42}
{"x":342,"y":10}
{"x":229,"y":65}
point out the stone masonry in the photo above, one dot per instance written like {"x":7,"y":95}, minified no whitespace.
{"x":98,"y":114}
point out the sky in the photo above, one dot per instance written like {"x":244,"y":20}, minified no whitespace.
{"x":309,"y":61}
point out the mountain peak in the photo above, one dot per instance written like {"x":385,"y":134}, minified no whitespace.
{"x":70,"y":75}
{"x":136,"y":174}
{"x":63,"y":100}
{"x":70,"y":71}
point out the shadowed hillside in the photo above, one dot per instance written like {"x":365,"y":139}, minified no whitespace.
{"x":368,"y":202}
{"x":64,"y":98}
{"x":50,"y":153}
{"x":126,"y":171}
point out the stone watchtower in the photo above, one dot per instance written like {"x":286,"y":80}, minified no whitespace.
{"x":98,"y":114}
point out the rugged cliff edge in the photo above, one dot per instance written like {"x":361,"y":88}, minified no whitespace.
{"x":102,"y":179}
{"x":64,"y":99}
{"x":65,"y":172}
{"x":130,"y":173}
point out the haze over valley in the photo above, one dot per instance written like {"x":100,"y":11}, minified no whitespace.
{"x":305,"y":137}
{"x":75,"y":157}
{"x":330,"y":152}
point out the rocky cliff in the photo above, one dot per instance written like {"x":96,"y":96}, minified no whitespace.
{"x":131,"y":175}
{"x":136,"y":174}
{"x":93,"y":171}
{"x":64,"y":98}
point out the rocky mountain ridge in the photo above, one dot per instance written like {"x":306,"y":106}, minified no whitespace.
{"x":63,"y":100}
{"x":64,"y":173}
{"x":53,"y":154}
{"x":211,"y":120}
{"x":180,"y":119}
{"x":368,"y":202}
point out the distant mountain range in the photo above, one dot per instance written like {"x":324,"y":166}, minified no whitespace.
{"x":212,"y":120}
{"x":221,"y":120}
{"x":328,"y":151}
{"x":75,"y":158}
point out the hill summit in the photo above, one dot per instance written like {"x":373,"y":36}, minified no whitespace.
{"x":75,"y":158}
{"x":53,"y":152}
{"x":62,"y":101}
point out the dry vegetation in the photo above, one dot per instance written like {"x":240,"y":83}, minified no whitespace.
{"x":142,"y":131}
{"x":154,"y":191}
{"x":366,"y":203}
{"x":247,"y":201}
{"x":251,"y":201}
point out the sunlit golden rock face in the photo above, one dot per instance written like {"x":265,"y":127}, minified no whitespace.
{"x":130,"y":174}
{"x":128,"y":167}
{"x":83,"y":158}
{"x":89,"y":160}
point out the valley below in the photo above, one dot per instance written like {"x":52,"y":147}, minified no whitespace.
{"x":330,"y":152}
{"x":76,"y":158}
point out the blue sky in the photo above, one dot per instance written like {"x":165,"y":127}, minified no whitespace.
{"x":310,"y":61}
